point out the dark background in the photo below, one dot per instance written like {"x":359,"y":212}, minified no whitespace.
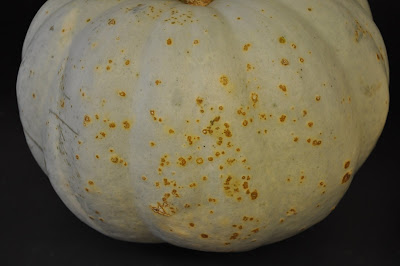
{"x":37,"y":229}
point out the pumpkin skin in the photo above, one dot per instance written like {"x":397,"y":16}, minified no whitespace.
{"x":217,"y":128}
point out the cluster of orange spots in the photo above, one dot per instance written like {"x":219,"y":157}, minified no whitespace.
{"x":282,"y":118}
{"x":250,"y":67}
{"x":101,"y":135}
{"x":117,"y":160}
{"x":153,"y":114}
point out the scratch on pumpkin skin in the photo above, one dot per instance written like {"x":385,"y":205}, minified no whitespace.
{"x":62,"y":121}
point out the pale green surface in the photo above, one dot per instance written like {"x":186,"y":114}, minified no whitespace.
{"x":155,"y":78}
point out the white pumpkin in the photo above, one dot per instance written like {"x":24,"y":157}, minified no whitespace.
{"x":220,"y":127}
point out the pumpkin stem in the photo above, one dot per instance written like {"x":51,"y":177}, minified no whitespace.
{"x":197,"y":2}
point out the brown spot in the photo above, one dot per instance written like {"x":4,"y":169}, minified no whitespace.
{"x":254,"y":98}
{"x":282,"y":40}
{"x":296,"y":139}
{"x":196,"y":42}
{"x":346,"y":177}
{"x":182,"y":161}
{"x":255,"y":230}
{"x":86,"y":120}
{"x":318,"y":98}
{"x":234,"y":236}
{"x":169,"y":41}
{"x":284,"y":62}
{"x":114,"y":159}
{"x":112,"y":125}
{"x":317,"y":142}
{"x":246,"y":47}
{"x":111,"y":21}
{"x":347,"y":165}
{"x":204,"y":235}
{"x":224,"y":80}
{"x":228,"y":133}
{"x":245,"y":123}
{"x":199,"y":160}
{"x":90,"y":182}
{"x":254,"y":195}
{"x":199,"y":100}
{"x":77,"y":157}
{"x":126,"y":124}
{"x":282,"y":118}
{"x":127,"y":62}
{"x":171,"y":131}
{"x":158,"y":82}
{"x":191,"y":224}
{"x":283,"y":87}
{"x":122,"y":94}
{"x":301,"y":60}
{"x":310,"y":124}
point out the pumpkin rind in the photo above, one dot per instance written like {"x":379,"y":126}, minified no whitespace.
{"x":217,"y":128}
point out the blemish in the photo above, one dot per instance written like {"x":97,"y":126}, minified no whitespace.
{"x":310,"y":124}
{"x":77,"y":157}
{"x":199,"y":160}
{"x":86,"y":120}
{"x":283,"y":87}
{"x":224,"y":80}
{"x":112,"y":125}
{"x":254,"y":98}
{"x":346,"y":177}
{"x":122,"y":94}
{"x":347,"y":165}
{"x":318,"y":98}
{"x":284,"y":62}
{"x":282,"y":40}
{"x":114,"y":159}
{"x":169,"y":41}
{"x":111,"y":21}
{"x":127,"y":62}
{"x":254,"y":195}
{"x":157,"y":82}
{"x":196,"y":42}
{"x":204,"y":235}
{"x":126,"y":124}
{"x":282,"y":118}
{"x":246,"y":47}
